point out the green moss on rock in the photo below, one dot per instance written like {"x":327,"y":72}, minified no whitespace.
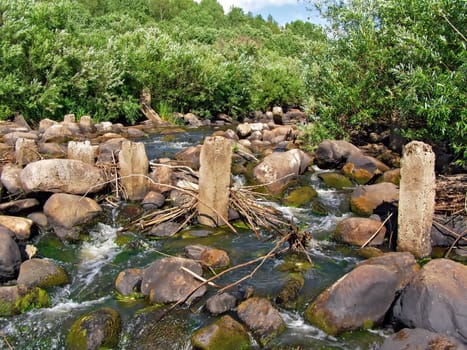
{"x":300,"y":196}
{"x":335,"y":180}
{"x":224,"y":334}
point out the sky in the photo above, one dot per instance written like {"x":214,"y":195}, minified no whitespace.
{"x":283,"y":11}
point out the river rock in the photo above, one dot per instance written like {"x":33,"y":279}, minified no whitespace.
{"x":95,"y":330}
{"x":68,"y":210}
{"x":15,"y":300}
{"x":365,"y":199}
{"x":192,"y":120}
{"x":10,"y":178}
{"x":220,"y":303}
{"x":11,"y":138}
{"x":165,"y":281}
{"x":393,"y":176}
{"x":57,"y":133}
{"x":161,"y":175}
{"x":189,"y":157}
{"x":52,"y":149}
{"x":360,"y":299}
{"x":362,"y":168}
{"x":420,"y":339}
{"x":435,"y":299}
{"x":244,"y":130}
{"x":280,"y":167}
{"x":334,"y":154}
{"x":212,"y":257}
{"x":278,"y":115}
{"x":62,"y":175}
{"x":10,"y":257}
{"x":39,"y":219}
{"x":300,"y":196}
{"x":261,"y":318}
{"x":20,"y":226}
{"x":86,"y":125}
{"x":153,"y":200}
{"x":41,"y":273}
{"x":19,"y":205}
{"x":290,"y":291}
{"x":108,"y":150}
{"x":129,"y":281}
{"x":225,"y":333}
{"x":402,"y":263}
{"x":357,"y":231}
{"x":335,"y":180}
{"x":164,"y":229}
{"x":46,"y":123}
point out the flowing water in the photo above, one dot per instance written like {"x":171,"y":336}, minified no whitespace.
{"x":94,"y":264}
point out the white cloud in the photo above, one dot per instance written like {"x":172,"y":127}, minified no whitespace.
{"x":253,"y":5}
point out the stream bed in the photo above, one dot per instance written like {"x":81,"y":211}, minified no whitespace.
{"x":94,"y":264}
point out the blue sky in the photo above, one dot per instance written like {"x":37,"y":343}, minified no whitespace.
{"x":282,"y":11}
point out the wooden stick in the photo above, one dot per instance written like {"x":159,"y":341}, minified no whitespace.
{"x":377,"y":231}
{"x":198,"y":277}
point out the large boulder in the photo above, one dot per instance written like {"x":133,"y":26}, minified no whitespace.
{"x":61,"y":175}
{"x":420,"y":339}
{"x":365,"y":199}
{"x":166,"y":281}
{"x":95,"y":330}
{"x":402,"y":263}
{"x":41,"y":273}
{"x":68,"y":210}
{"x":280,"y":167}
{"x":334,"y":154}
{"x":435,"y":299}
{"x":360,"y":299}
{"x":357,"y":231}
{"x":261,"y":318}
{"x":10,"y":257}
{"x":225,"y":333}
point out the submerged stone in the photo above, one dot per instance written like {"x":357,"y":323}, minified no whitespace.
{"x":95,"y":330}
{"x":223,"y":334}
{"x":300,"y":196}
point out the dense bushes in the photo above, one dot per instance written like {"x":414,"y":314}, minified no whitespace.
{"x":93,"y":58}
{"x":397,"y":64}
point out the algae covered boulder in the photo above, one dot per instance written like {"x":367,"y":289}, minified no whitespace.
{"x":41,"y":273}
{"x":300,"y":196}
{"x":335,"y":180}
{"x":365,"y":199}
{"x":223,"y":334}
{"x":95,"y":330}
{"x":360,"y":299}
{"x":15,"y":300}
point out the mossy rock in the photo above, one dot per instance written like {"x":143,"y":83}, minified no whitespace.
{"x":300,"y":196}
{"x":14,"y":300}
{"x":359,"y":175}
{"x":295,"y":263}
{"x":223,"y":334}
{"x":319,"y":208}
{"x":95,"y":330}
{"x":290,"y":291}
{"x":335,"y":180}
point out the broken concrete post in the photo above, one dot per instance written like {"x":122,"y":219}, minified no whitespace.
{"x":133,"y":172}
{"x":416,"y":199}
{"x":214,"y":181}
{"x":82,"y":151}
{"x":26,"y":151}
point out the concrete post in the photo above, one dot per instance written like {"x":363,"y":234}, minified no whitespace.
{"x":134,"y":166}
{"x":214,"y":180}
{"x":26,"y":151}
{"x":82,"y":151}
{"x":416,"y":199}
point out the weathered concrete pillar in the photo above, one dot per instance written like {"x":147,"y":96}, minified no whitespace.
{"x":416,"y":199}
{"x":26,"y":151}
{"x":134,"y":166}
{"x":214,"y":180}
{"x":82,"y":151}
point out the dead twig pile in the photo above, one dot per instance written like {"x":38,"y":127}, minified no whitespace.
{"x":451,"y":194}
